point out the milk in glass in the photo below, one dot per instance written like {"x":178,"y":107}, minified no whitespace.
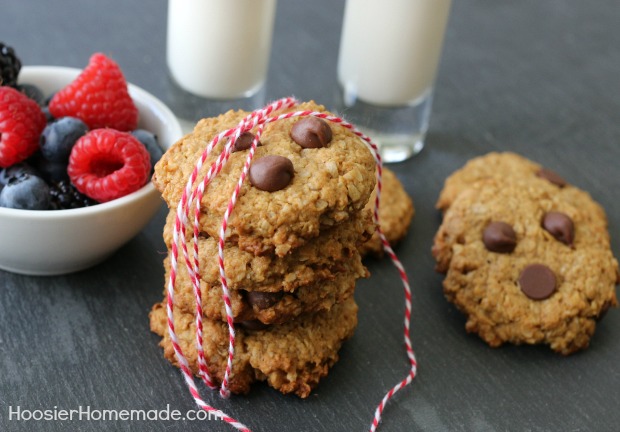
{"x":219,"y":49}
{"x":389,"y":54}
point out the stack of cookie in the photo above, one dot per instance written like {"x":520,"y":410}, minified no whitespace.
{"x":291,"y":254}
{"x":527,"y":256}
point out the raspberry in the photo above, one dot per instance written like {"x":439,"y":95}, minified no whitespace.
{"x":106,"y":164}
{"x":98,"y":96}
{"x":21,"y":123}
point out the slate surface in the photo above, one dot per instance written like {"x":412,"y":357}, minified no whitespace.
{"x":538,"y":78}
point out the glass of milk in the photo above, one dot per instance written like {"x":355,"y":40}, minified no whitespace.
{"x":218,"y":54}
{"x":389,"y":54}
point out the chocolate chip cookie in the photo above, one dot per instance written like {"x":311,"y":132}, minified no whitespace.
{"x":291,"y":357}
{"x":322,"y":258}
{"x":304,"y":178}
{"x":525,"y":264}
{"x":395,"y":213}
{"x":274,"y":307}
{"x":515,"y":168}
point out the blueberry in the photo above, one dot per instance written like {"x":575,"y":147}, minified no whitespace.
{"x":58,"y":138}
{"x":48,"y":115}
{"x":33,"y":92}
{"x":26,"y":192}
{"x":48,"y":99}
{"x":48,"y":170}
{"x":16,"y":170}
{"x":149,"y":140}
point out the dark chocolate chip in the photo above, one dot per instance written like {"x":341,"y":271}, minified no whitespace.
{"x":311,"y":132}
{"x":263,"y":300}
{"x":499,"y":237}
{"x":537,"y":281}
{"x":560,"y":226}
{"x":271,"y":173}
{"x":244,"y":142}
{"x":552,"y":177}
{"x":252,"y":325}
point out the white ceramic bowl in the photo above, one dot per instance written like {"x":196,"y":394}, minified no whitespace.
{"x":63,"y":241}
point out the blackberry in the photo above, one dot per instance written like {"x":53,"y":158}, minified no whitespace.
{"x":65,"y":196}
{"x":9,"y":66}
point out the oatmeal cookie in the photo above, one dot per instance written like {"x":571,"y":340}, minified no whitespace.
{"x":267,"y":307}
{"x":525,"y":265}
{"x":290,"y":357}
{"x":395,"y":214}
{"x":515,"y":168}
{"x":322,"y":258}
{"x":305,"y":177}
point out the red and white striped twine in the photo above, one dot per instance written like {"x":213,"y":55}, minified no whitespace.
{"x":257,"y":119}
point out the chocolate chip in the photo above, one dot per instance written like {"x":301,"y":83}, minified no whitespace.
{"x":499,"y":237}
{"x":244,"y":142}
{"x":552,"y":177}
{"x":271,"y":173}
{"x":263,"y":300}
{"x":537,"y":281}
{"x":311,"y":132}
{"x":252,"y":325}
{"x":560,"y":226}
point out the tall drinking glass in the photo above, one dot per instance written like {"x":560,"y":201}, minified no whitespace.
{"x":388,"y":60}
{"x":218,"y":54}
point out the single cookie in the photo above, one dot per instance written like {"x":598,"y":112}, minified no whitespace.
{"x":322,"y":258}
{"x":525,"y":265}
{"x":490,"y":166}
{"x":548,"y":197}
{"x":280,"y":207}
{"x":267,"y":307}
{"x":291,"y":357}
{"x":395,"y":213}
{"x":515,"y":168}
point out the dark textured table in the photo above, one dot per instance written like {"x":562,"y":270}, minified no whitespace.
{"x":538,"y":78}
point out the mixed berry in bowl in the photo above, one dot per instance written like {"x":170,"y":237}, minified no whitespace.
{"x":79,"y":147}
{"x":79,"y":234}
